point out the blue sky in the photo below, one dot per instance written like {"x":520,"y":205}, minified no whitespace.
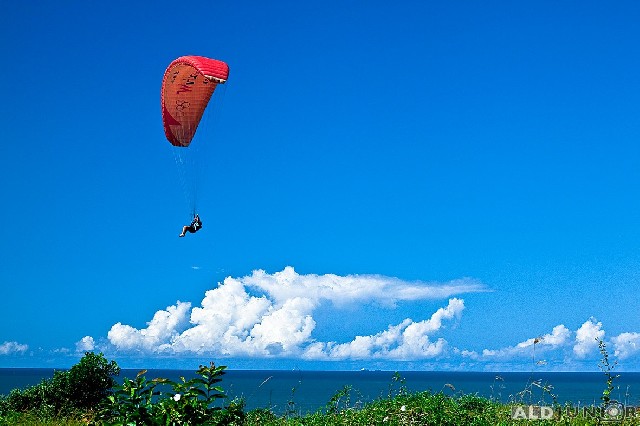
{"x":410,"y":186}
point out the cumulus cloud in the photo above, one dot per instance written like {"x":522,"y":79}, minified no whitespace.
{"x":85,"y":344}
{"x":405,"y":341}
{"x":8,"y":348}
{"x":162,"y":328}
{"x":558,"y":337}
{"x":586,"y":338}
{"x":626,"y":345}
{"x":272,"y":315}
{"x":562,"y":345}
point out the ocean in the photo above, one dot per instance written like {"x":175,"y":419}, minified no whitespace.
{"x":308,"y":391}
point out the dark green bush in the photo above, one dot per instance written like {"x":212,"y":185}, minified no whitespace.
{"x":79,"y":389}
{"x":91,"y":380}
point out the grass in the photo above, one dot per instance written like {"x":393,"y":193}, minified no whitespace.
{"x":33,"y":419}
{"x":422,"y":408}
{"x":428,"y":408}
{"x":416,"y":408}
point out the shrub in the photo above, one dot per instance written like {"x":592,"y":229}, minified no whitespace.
{"x":189,"y":402}
{"x":91,"y":380}
{"x":79,"y":389}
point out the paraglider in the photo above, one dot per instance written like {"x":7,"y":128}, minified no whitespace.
{"x":196,"y":225}
{"x":187,"y":87}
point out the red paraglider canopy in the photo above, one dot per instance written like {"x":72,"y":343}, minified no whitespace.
{"x":187,"y":86}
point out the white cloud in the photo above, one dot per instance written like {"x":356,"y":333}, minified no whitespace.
{"x":160,"y":329}
{"x":559,"y":345}
{"x":626,"y":345}
{"x":279,"y":320}
{"x":405,"y":341}
{"x":288,"y":284}
{"x":274,"y":315}
{"x":558,"y":337}
{"x":8,"y":348}
{"x":85,"y":344}
{"x":467,"y":353}
{"x":586,"y":337}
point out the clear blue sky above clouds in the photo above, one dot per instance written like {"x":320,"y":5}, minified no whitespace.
{"x":445,"y":180}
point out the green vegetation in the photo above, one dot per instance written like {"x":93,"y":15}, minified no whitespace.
{"x":69,"y":395}
{"x":606,"y":367}
{"x":187,"y":402}
{"x":88,"y":394}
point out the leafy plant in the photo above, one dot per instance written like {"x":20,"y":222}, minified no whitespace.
{"x":607,"y":367}
{"x":164,"y":402}
{"x":132,"y":402}
{"x":194,"y":401}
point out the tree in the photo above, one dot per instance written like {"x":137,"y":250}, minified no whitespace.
{"x":91,"y":380}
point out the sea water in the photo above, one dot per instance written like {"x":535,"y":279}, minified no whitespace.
{"x":302,"y":391}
